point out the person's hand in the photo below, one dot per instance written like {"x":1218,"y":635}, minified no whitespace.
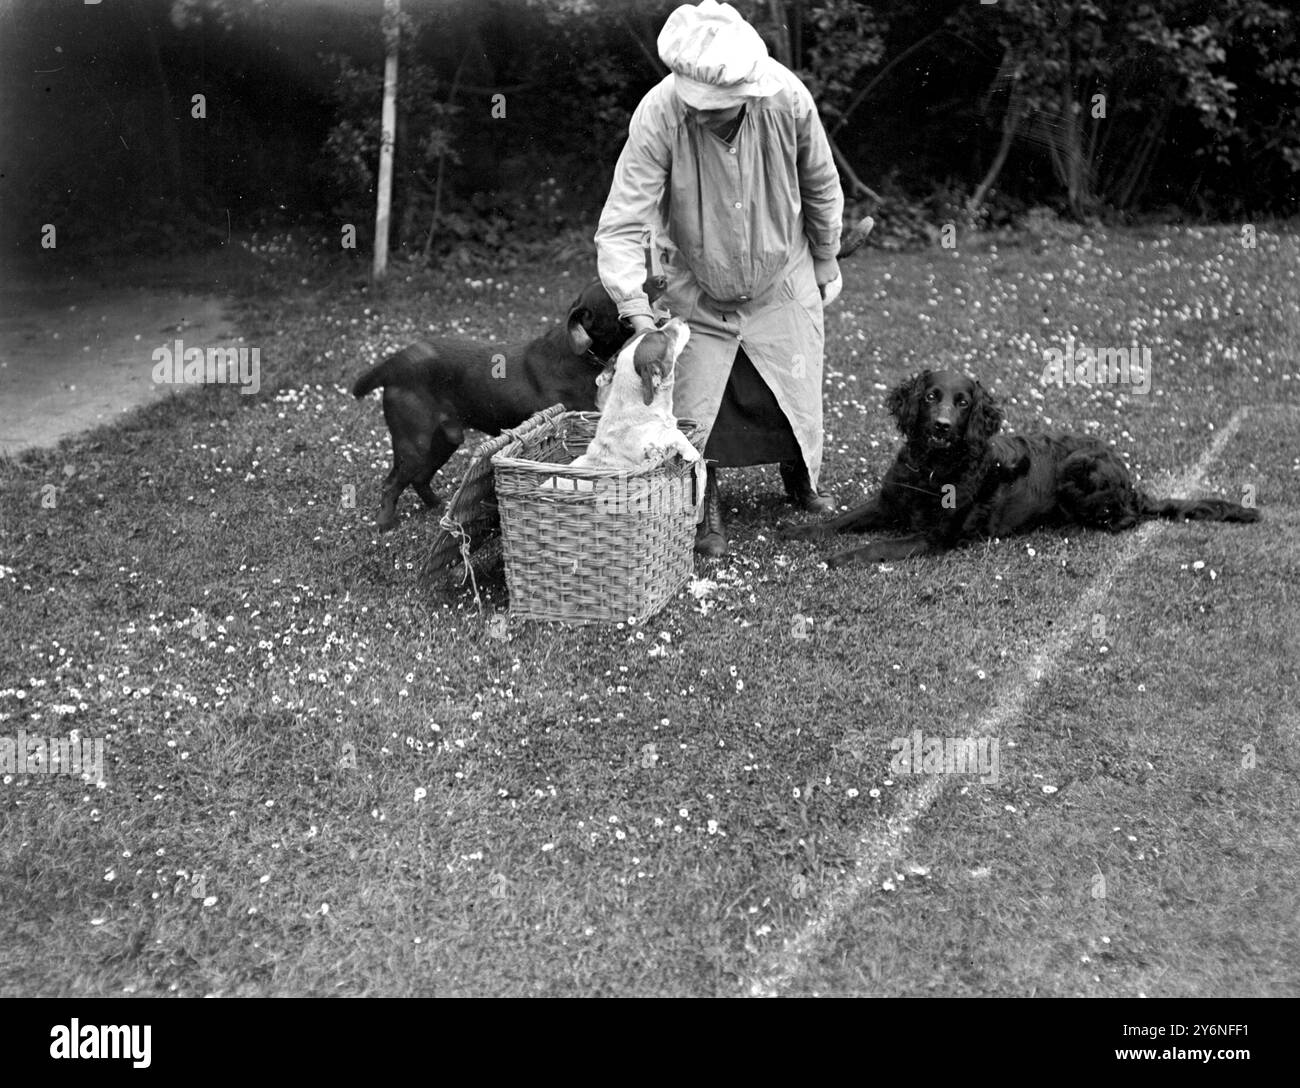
{"x":640,"y":323}
{"x":829,"y":282}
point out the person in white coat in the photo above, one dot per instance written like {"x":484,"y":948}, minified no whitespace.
{"x":728,"y":168}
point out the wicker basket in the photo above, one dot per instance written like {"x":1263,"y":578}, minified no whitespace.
{"x":590,"y":545}
{"x":470,"y":522}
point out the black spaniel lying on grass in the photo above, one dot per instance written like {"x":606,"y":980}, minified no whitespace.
{"x":957,"y":480}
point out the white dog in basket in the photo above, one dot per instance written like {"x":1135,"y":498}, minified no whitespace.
{"x":637,"y":424}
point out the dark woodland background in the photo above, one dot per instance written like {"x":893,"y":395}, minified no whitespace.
{"x":944,"y":110}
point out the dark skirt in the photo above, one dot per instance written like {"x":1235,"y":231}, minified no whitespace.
{"x":750,"y":428}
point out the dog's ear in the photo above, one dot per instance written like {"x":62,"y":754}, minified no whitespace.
{"x":985,"y":416}
{"x":593,"y":324}
{"x":579,"y":318}
{"x":652,"y":361}
{"x":904,"y":402}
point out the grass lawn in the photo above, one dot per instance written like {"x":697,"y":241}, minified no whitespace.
{"x":327,"y":776}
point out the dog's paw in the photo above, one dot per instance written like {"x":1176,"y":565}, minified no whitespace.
{"x":863,"y":556}
{"x":846,"y":558}
{"x":815,"y":531}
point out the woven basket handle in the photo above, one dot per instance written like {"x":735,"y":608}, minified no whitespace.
{"x":537,"y":419}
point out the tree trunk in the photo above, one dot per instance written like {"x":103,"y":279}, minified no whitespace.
{"x":1133,"y":183}
{"x":1072,"y":151}
{"x":1010,"y":130}
{"x":859,"y":186}
{"x":442,"y":155}
{"x":796,"y":33}
{"x":388,"y":126}
{"x":780,"y":33}
{"x":1013,"y":118}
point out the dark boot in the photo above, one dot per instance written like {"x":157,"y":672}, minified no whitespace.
{"x":711,"y":533}
{"x":799,"y":490}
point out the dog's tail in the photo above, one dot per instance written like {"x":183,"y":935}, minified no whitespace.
{"x":372,"y":379}
{"x":382,"y":373}
{"x":1195,"y":509}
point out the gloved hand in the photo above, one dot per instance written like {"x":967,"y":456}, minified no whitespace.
{"x":829,"y":281}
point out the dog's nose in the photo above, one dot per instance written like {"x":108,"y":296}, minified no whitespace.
{"x":680,"y":330}
{"x":942,"y":426}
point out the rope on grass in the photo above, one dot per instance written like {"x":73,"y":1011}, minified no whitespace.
{"x":456,"y":530}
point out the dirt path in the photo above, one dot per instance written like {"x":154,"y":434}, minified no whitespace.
{"x":74,"y":357}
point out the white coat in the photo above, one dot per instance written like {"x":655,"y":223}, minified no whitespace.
{"x":737,"y":227}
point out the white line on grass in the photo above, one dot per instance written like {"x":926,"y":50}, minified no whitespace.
{"x":878,"y":849}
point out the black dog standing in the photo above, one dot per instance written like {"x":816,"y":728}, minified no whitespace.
{"x":956,"y":480}
{"x":434,"y":389}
